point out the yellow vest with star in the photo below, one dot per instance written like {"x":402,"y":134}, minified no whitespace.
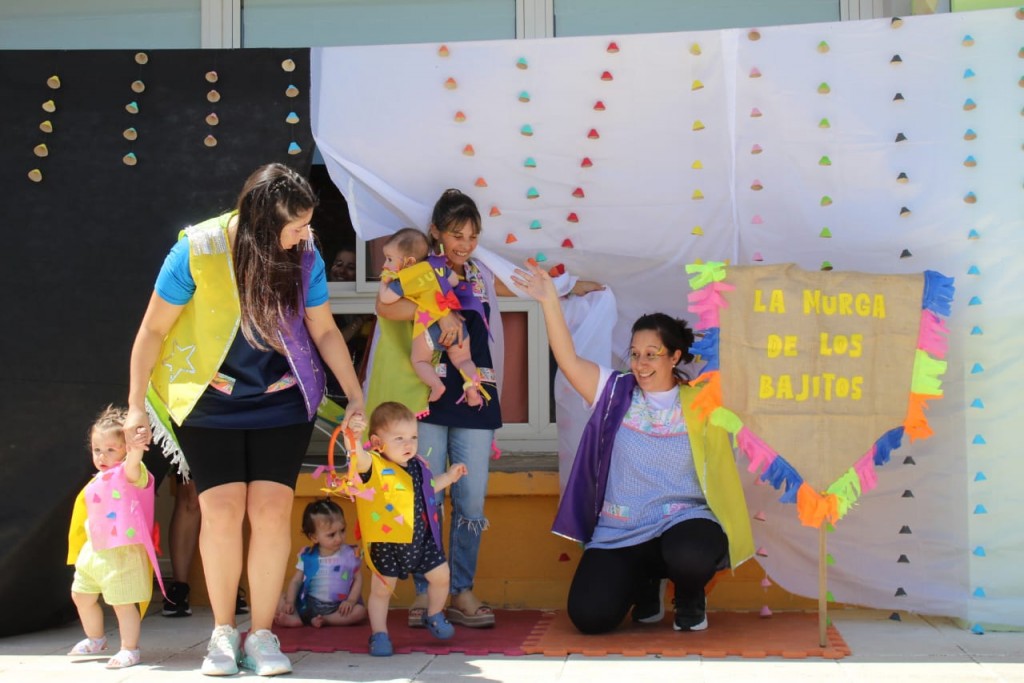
{"x":200,"y":339}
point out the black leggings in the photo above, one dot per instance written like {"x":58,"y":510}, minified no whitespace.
{"x":606,"y":582}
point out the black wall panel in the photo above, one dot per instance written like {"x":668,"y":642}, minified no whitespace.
{"x":81,"y":249}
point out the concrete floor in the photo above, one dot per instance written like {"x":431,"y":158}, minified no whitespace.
{"x":914,"y":649}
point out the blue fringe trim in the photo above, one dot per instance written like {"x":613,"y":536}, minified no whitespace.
{"x":780,"y":473}
{"x":886,"y":444}
{"x":707,"y":348}
{"x":938,"y":293}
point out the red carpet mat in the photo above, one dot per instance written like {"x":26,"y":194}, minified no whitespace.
{"x":730,"y":634}
{"x":793,"y":635}
{"x":512,"y":630}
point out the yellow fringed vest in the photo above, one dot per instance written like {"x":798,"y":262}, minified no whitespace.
{"x":200,"y":339}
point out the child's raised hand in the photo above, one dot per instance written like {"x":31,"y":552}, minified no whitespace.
{"x":457,"y":471}
{"x":136,"y":429}
{"x":357,"y":422}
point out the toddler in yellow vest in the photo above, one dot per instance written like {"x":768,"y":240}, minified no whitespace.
{"x":398,"y":521}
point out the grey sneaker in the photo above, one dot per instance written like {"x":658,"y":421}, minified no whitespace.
{"x":223,"y":652}
{"x":262,"y":654}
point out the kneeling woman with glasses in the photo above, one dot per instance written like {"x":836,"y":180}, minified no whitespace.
{"x":654,"y":492}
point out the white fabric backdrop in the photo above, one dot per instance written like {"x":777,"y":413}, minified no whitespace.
{"x":672,"y":180}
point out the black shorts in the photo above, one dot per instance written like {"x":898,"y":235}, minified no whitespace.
{"x":159,"y":465}
{"x":227,"y":456}
{"x":398,"y":560}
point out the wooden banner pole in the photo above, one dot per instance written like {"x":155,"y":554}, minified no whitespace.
{"x":822,"y":587}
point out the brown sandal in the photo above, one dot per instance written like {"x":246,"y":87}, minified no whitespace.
{"x":480,"y":617}
{"x":417,"y":617}
{"x":418,"y":612}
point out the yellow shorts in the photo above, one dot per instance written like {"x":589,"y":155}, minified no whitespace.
{"x":122,"y":575}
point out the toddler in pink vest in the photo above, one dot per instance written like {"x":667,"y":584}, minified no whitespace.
{"x":111,"y":542}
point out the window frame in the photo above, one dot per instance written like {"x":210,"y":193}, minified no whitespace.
{"x":221,"y":23}
{"x":537,"y":434}
{"x":222,"y":19}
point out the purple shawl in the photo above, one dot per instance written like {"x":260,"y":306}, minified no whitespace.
{"x":584,"y":491}
{"x":300,"y":351}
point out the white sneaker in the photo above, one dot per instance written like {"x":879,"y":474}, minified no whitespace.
{"x":263,"y":654}
{"x":222,"y":653}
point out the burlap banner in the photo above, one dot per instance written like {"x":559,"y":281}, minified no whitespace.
{"x":819,"y":374}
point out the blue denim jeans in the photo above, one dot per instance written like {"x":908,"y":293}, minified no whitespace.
{"x":442,"y":447}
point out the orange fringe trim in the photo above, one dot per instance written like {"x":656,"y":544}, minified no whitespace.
{"x":710,"y":397}
{"x":915,"y":425}
{"x":814,"y":508}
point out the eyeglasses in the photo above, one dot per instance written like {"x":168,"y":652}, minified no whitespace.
{"x":649,"y":356}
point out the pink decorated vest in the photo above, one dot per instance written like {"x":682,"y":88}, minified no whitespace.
{"x":121,"y":513}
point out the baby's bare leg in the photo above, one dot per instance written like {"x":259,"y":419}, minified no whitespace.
{"x":438,"y":582}
{"x":421,"y":357}
{"x":355,"y":615}
{"x":90,"y":613}
{"x":129,"y":622}
{"x":381,"y":588}
{"x":286,"y":620}
{"x":460,"y":357}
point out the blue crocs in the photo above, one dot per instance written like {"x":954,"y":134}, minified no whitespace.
{"x":380,"y":645}
{"x":439,"y":627}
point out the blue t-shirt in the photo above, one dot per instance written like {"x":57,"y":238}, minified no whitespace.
{"x":175,"y":285}
{"x":253,"y":389}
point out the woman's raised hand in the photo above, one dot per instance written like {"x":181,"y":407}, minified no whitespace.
{"x":535,"y":282}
